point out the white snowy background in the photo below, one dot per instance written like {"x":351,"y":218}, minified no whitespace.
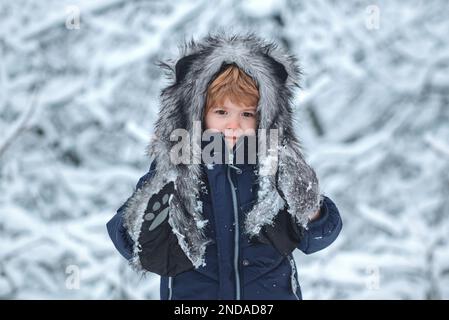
{"x":79,"y":95}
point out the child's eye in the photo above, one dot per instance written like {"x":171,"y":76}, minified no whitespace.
{"x":248,"y":114}
{"x":219,"y":111}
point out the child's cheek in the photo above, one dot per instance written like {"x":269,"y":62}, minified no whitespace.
{"x":251,"y":124}
{"x":213,"y":122}
{"x":207,"y":121}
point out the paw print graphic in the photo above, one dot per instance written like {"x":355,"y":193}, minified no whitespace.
{"x":158,"y":208}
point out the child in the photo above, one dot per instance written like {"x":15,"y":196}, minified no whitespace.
{"x":226,"y":229}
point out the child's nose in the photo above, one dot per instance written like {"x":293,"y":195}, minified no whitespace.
{"x":233,"y":123}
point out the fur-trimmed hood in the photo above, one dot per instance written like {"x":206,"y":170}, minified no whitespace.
{"x":277,"y":75}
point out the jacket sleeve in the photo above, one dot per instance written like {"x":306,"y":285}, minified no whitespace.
{"x":322,"y":231}
{"x":117,"y":232}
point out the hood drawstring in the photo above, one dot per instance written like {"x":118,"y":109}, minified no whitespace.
{"x":239,"y":171}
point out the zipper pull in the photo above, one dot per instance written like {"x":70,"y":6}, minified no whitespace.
{"x":231,"y":157}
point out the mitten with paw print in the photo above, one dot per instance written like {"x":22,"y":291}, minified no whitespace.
{"x":160,"y":252}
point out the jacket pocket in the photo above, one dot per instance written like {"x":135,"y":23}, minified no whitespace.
{"x":275,"y":284}
{"x":190,"y":285}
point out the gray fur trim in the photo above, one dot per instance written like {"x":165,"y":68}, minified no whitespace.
{"x":299,"y":184}
{"x":182,"y":202}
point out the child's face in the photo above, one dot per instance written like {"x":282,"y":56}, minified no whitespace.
{"x":232,"y":120}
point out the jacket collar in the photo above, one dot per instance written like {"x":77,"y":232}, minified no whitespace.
{"x":214,"y":151}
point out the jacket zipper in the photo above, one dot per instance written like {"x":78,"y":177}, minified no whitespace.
{"x":236,"y":235}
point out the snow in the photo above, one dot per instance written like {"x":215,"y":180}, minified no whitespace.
{"x":77,"y":109}
{"x":259,"y":9}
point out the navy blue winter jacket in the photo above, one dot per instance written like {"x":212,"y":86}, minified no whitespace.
{"x":260,"y":272}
